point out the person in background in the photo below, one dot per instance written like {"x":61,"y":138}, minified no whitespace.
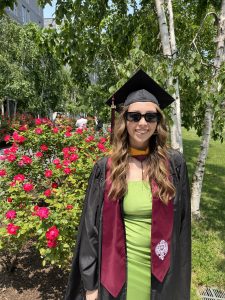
{"x":134,"y":238}
{"x":81,"y":122}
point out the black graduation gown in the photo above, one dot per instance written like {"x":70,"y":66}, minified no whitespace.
{"x":85,"y":272}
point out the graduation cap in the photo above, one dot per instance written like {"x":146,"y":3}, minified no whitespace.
{"x":139,"y":88}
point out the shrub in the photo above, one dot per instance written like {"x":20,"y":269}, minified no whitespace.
{"x":43,"y":179}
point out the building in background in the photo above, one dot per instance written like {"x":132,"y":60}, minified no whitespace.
{"x":26,"y":11}
{"x":49,"y":23}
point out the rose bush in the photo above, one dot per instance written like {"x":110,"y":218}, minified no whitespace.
{"x":43,"y":179}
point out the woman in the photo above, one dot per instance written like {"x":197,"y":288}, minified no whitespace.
{"x":134,"y":240}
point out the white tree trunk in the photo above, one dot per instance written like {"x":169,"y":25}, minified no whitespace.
{"x":169,"y":49}
{"x":209,"y":114}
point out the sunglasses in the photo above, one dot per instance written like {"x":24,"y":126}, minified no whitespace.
{"x":150,"y":117}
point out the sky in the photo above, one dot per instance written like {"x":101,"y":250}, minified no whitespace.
{"x":49,"y":10}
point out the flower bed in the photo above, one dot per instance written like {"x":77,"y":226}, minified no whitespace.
{"x":43,"y":179}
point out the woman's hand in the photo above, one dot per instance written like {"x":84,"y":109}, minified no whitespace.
{"x":92,"y":295}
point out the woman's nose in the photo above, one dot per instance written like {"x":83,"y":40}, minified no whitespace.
{"x":142,"y":121}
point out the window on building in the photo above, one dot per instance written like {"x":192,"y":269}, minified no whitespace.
{"x":24,"y":12}
{"x":28,"y":16}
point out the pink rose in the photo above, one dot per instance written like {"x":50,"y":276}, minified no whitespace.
{"x":69,"y":128}
{"x":42,"y":212}
{"x":47,"y":193}
{"x":2,"y":157}
{"x":48,"y":173}
{"x":3,"y":173}
{"x":52,"y":233}
{"x":19,"y":177}
{"x":10,"y":214}
{"x":13,"y":183}
{"x":59,"y":166}
{"x":28,"y":187}
{"x":12,"y":229}
{"x":13,"y":149}
{"x":65,"y":150}
{"x":66,"y":162}
{"x":38,"y":130}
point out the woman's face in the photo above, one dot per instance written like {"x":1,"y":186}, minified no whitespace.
{"x":140,"y":132}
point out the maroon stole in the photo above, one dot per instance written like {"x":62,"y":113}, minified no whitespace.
{"x":113,"y":261}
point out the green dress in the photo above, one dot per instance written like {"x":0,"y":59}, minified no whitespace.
{"x":137,"y":206}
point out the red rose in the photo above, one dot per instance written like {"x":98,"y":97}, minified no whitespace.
{"x":7,"y":138}
{"x":10,"y":214}
{"x":72,"y":149}
{"x":11,"y":157}
{"x":26,"y":160}
{"x":48,"y":193}
{"x":36,"y":207}
{"x":42,"y":212}
{"x":12,"y":229}
{"x":38,"y":121}
{"x":67,"y":171}
{"x":23,"y":128}
{"x":69,"y":206}
{"x":79,"y":130}
{"x":13,"y":183}
{"x":48,"y":173}
{"x":19,"y":177}
{"x":55,"y":130}
{"x":89,"y":138}
{"x":101,"y":147}
{"x":9,"y":199}
{"x":56,"y":161}
{"x":54,"y":185}
{"x":52,"y":233}
{"x":28,"y":187}
{"x":102,"y":140}
{"x":38,"y":130}
{"x":39,"y":154}
{"x":44,"y":147}
{"x":13,"y":149}
{"x":68,"y":134}
{"x":68,"y":128}
{"x":58,"y":166}
{"x":51,"y":244}
{"x":3,"y":173}
{"x":66,"y":162}
{"x":65,"y":150}
{"x":74,"y":157}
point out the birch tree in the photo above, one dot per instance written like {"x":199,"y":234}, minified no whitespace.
{"x":209,"y":115}
{"x":168,"y":41}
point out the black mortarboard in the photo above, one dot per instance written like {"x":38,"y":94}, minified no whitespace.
{"x":140,"y":88}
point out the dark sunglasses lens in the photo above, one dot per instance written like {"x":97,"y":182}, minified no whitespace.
{"x":151,"y":117}
{"x":133,"y":116}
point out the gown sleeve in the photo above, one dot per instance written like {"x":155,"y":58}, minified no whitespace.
{"x":185,"y":234}
{"x":84,"y":271}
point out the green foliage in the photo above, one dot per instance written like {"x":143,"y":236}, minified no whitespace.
{"x":43,"y":179}
{"x":208,"y":242}
{"x":29,"y":71}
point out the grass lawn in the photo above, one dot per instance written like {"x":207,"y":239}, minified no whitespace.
{"x":208,"y":235}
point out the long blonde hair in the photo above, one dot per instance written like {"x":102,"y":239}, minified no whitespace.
{"x":157,"y":160}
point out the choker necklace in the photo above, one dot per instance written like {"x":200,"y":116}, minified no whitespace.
{"x":140,"y":155}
